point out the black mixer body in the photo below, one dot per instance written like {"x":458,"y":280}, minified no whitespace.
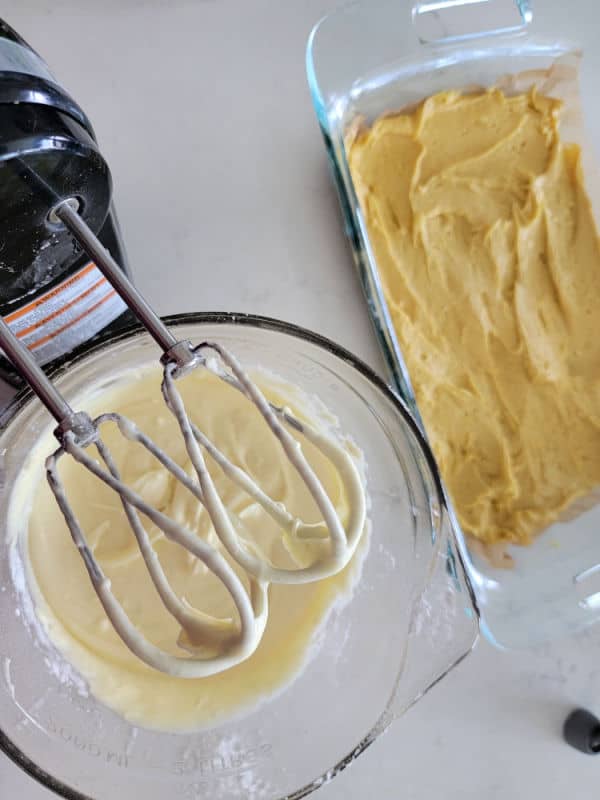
{"x":51,"y":295}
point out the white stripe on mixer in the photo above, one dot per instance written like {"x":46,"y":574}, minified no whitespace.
{"x":67,"y":315}
{"x":54,"y":299}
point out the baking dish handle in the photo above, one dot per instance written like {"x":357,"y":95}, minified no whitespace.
{"x":448,"y":21}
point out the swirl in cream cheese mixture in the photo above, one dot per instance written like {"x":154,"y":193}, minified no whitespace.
{"x":489,"y":255}
{"x":70,"y":610}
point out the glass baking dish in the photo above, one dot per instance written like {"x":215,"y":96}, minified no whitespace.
{"x":383,"y":55}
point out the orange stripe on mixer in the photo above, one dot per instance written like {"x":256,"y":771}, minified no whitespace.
{"x":62,"y":310}
{"x":52,"y":293}
{"x":70,"y":324}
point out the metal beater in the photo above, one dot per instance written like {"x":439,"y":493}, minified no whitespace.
{"x":214,"y":644}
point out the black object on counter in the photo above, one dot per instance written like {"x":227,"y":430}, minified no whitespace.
{"x":50,"y":293}
{"x":582,"y":731}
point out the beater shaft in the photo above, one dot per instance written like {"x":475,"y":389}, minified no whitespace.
{"x":31,"y":372}
{"x":174,"y":350}
{"x":78,"y":422}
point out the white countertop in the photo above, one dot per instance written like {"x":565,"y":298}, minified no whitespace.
{"x":223,"y":193}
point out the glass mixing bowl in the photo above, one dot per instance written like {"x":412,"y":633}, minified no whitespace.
{"x":410,"y":619}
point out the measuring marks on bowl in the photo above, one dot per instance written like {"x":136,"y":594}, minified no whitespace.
{"x":587,"y":588}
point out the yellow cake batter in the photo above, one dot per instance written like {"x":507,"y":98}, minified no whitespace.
{"x":490,"y":260}
{"x":67,"y":605}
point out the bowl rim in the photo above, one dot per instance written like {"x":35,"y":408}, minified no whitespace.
{"x":7,"y":746}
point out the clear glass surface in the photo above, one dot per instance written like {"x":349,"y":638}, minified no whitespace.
{"x":410,"y":619}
